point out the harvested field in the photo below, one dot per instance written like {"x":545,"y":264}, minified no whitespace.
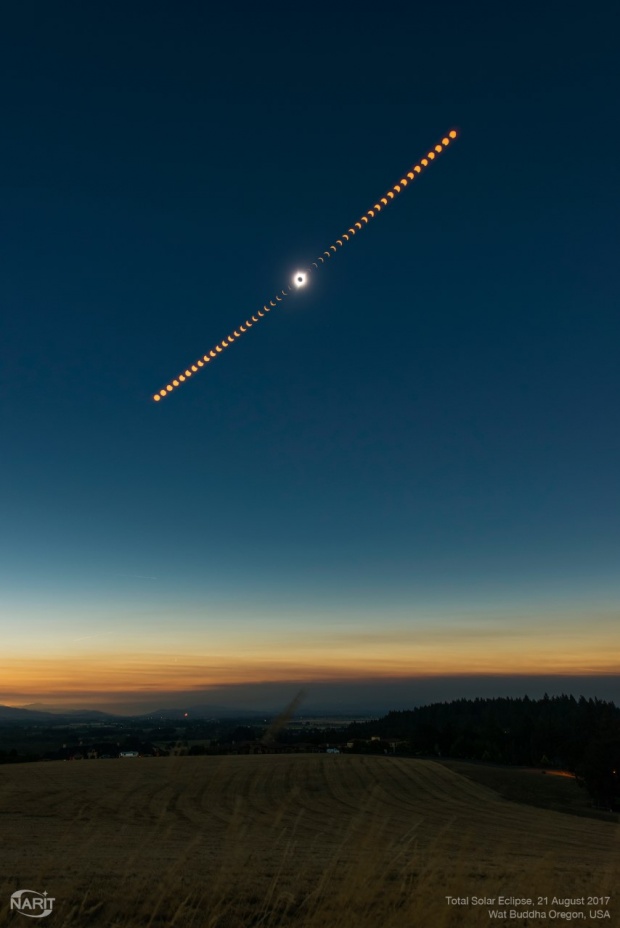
{"x":312,"y":840}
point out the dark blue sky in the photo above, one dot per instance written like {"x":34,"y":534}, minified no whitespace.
{"x":423,"y":444}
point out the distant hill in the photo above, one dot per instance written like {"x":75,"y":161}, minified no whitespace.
{"x":43,"y":713}
{"x":206,"y":712}
{"x":88,"y":714}
{"x":9,"y":714}
{"x":36,"y":712}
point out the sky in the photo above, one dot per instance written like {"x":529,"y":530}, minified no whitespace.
{"x":403,"y":484}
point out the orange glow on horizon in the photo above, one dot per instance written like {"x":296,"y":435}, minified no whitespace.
{"x":377,"y":656}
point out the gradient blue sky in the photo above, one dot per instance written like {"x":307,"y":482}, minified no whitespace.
{"x":408,"y":472}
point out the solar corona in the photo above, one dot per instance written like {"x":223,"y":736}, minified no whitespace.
{"x":301,"y":278}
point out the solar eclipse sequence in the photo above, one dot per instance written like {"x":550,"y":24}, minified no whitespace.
{"x":300,"y":278}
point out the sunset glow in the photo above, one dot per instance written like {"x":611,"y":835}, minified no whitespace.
{"x":116,"y":665}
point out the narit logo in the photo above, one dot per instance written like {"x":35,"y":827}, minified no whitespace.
{"x":31,"y":903}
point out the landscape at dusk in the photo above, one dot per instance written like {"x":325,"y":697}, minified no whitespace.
{"x":399,"y":490}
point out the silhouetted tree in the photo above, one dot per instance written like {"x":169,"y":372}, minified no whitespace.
{"x":600,"y":768}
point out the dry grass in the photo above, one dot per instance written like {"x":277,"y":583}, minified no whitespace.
{"x":313,"y":841}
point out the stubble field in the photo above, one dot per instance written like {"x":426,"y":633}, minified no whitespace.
{"x":299,"y":840}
